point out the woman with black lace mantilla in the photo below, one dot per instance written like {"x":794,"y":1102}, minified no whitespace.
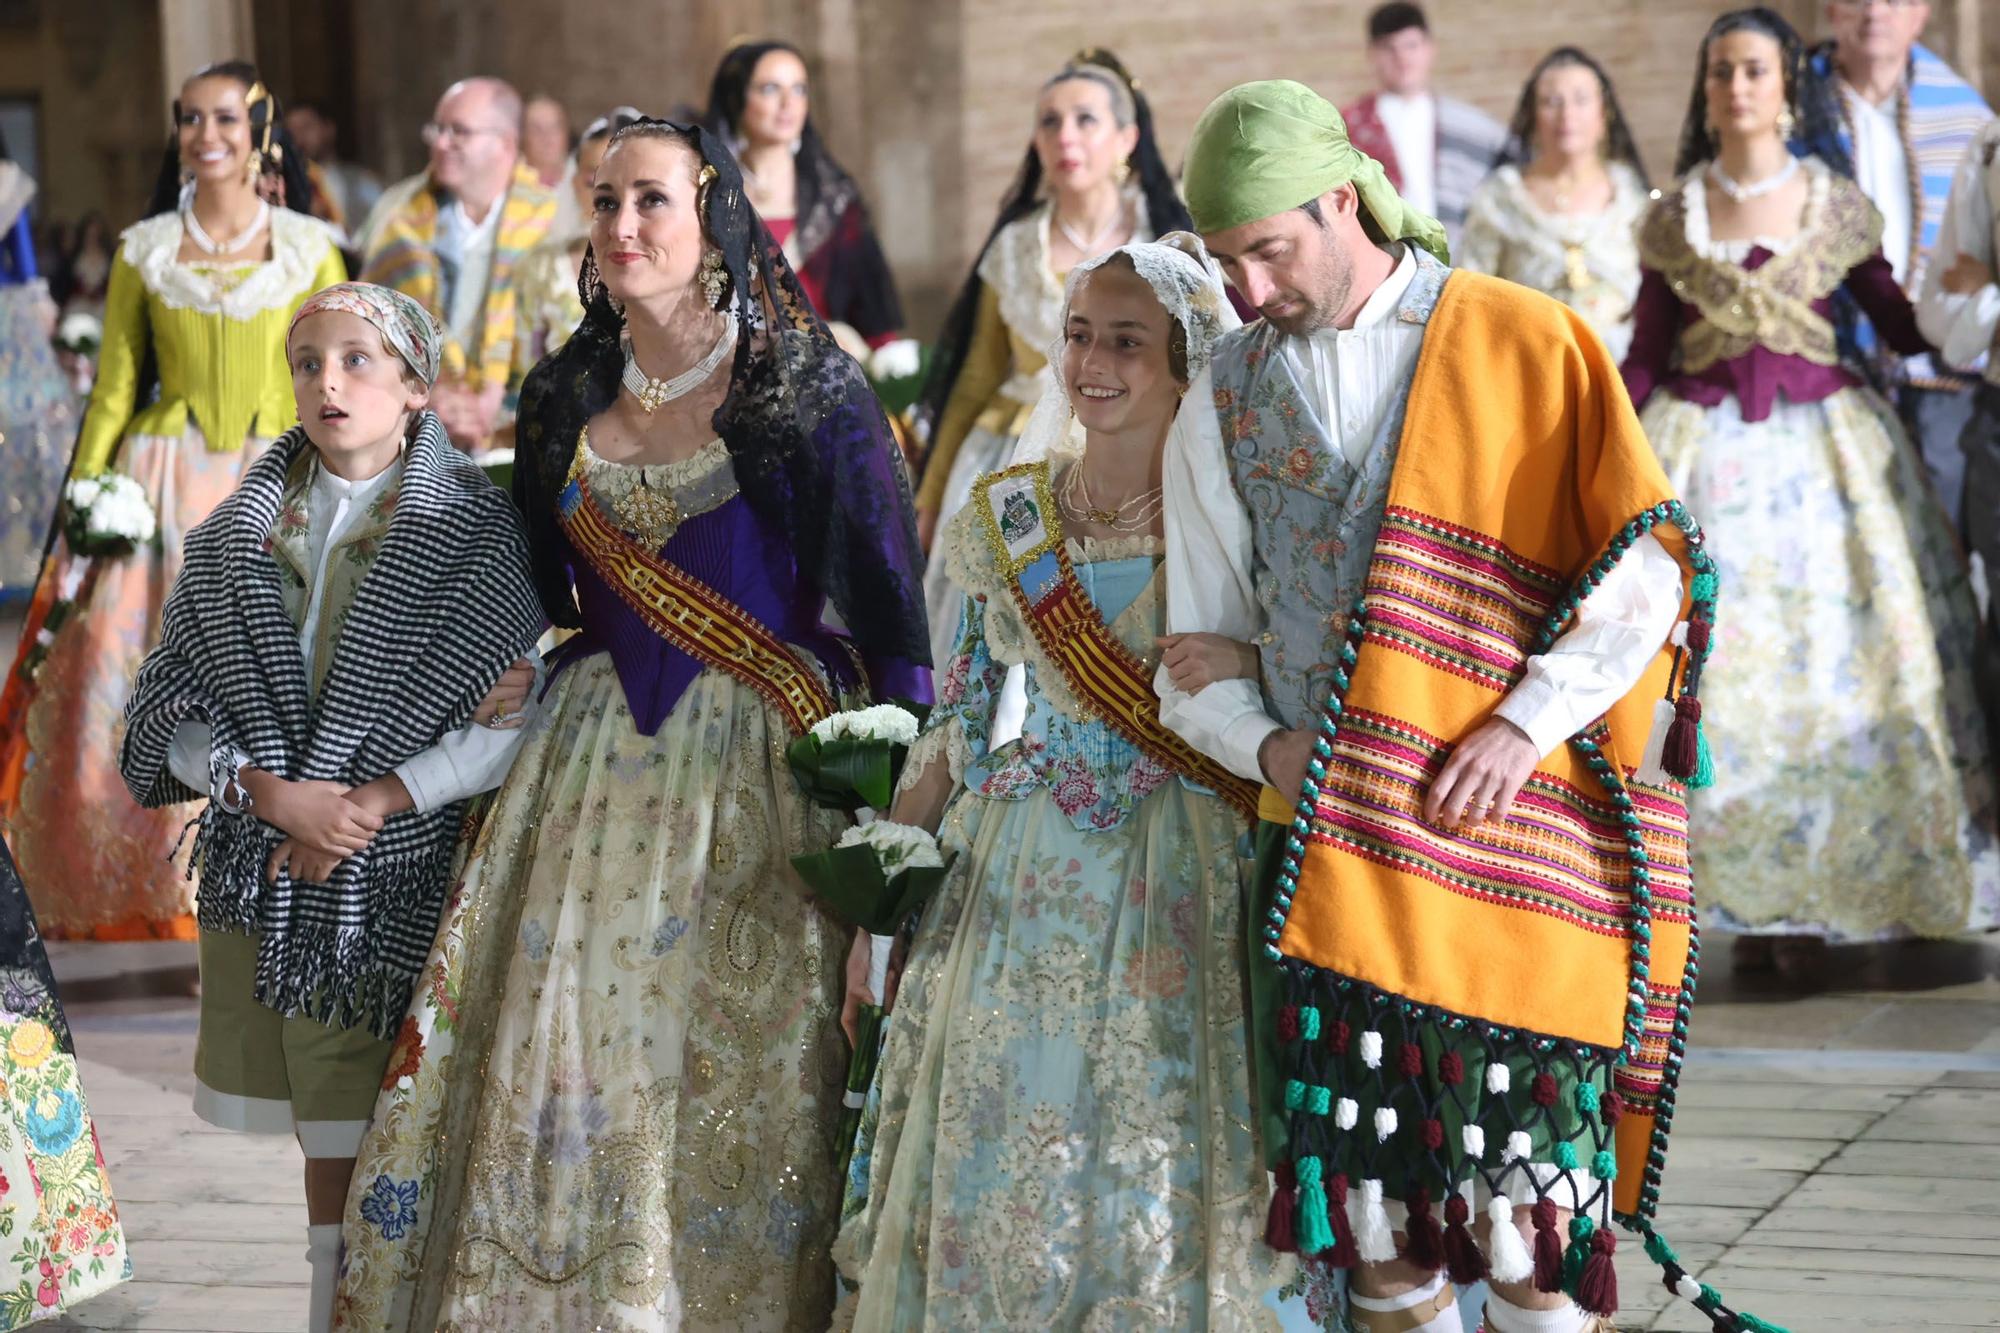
{"x":615,"y":1099}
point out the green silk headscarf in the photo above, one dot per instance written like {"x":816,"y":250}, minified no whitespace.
{"x":1262,"y":148}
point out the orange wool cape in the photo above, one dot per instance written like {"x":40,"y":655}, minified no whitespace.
{"x":1560,"y":943}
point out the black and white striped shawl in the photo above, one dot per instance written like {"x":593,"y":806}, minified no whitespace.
{"x":448,"y":603}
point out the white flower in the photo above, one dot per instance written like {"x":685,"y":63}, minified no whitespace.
{"x":883,"y":722}
{"x":114,"y":505}
{"x":79,"y":327}
{"x":896,"y":360}
{"x":1371,"y":1049}
{"x":898,"y":846}
{"x":83,"y":492}
{"x":1385,"y":1123}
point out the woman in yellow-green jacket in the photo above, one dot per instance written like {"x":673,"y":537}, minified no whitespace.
{"x":199,"y":300}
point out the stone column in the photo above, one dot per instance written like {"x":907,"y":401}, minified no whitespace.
{"x":194,"y":33}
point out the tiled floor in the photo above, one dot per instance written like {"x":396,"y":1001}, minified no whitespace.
{"x":1835,"y":1166}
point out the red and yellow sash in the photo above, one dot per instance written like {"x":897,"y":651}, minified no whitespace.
{"x":692,"y":616}
{"x":1017,"y":508}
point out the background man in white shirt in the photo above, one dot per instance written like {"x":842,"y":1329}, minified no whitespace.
{"x":1435,"y":149}
{"x":1906,"y":119}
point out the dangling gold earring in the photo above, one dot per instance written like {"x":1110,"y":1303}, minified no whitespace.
{"x":1787,"y":122}
{"x":1123,"y":173}
{"x":713,"y":278}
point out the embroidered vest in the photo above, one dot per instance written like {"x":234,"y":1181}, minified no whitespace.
{"x":1314,"y":514}
{"x":353,"y":555}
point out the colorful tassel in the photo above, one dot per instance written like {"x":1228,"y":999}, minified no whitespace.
{"x":1704,"y":761}
{"x":1426,"y":1238}
{"x":1543,"y":1089}
{"x":1597,"y":1288}
{"x":1610,"y":1106}
{"x":1385,"y":1123}
{"x":1462,"y":1259}
{"x":1548,"y":1248}
{"x":1681,"y":754}
{"x":1374,"y":1242}
{"x":1702,"y":588}
{"x":1411,"y":1060}
{"x":1288,"y":1022}
{"x":1279,"y":1232}
{"x":1371,"y":1049}
{"x":1343,"y":1254}
{"x":1650,"y":770}
{"x":1577,"y":1252}
{"x":1511,"y":1261}
{"x":1451,"y":1069}
{"x":1315,"y":1233}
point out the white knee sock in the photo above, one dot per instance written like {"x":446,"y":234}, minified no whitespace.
{"x":323,"y":1253}
{"x":1431,"y":1308}
{"x":1502,"y":1316}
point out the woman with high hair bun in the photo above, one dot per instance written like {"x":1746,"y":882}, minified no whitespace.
{"x":191,"y":386}
{"x":1093,"y":180}
{"x":1558,"y":212}
{"x":616,"y":1097}
{"x":1853,"y":796}
{"x":760,"y":104}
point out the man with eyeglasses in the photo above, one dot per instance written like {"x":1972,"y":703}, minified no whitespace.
{"x":1907,"y":119}
{"x":452,"y":236}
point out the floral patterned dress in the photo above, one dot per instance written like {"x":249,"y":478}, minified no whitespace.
{"x":613,"y":1103}
{"x":1854,"y":795}
{"x":1064,"y":1138}
{"x":60,"y":1241}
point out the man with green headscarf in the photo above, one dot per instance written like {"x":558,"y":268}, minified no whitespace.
{"x":1273,"y":512}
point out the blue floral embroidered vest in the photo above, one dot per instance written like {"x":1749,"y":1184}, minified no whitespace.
{"x":1314,"y":514}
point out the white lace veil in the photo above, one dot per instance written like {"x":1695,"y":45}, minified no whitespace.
{"x":1189,"y":285}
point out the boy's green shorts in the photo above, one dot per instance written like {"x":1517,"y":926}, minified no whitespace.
{"x":263,"y":1073}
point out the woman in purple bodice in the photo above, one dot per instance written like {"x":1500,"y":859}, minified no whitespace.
{"x":1852,"y":796}
{"x":617,"y":1097}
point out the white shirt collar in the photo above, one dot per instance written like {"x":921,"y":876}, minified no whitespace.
{"x":1382,"y":303}
{"x":475,"y":232}
{"x":334,"y":489}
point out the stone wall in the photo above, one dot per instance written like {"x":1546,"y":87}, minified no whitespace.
{"x":926,"y":101}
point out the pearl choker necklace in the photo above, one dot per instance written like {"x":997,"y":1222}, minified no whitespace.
{"x":209,"y":245}
{"x":654,"y":394}
{"x":1728,"y":185}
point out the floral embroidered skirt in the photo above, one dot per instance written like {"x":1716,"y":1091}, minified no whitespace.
{"x":38,"y":420}
{"x":1064,"y":1138}
{"x":63,"y":1241}
{"x":1853,"y":793}
{"x":113,"y":875}
{"x":613,"y":1103}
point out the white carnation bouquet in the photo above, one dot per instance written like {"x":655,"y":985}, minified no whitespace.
{"x":852,"y":759}
{"x":877,"y":875}
{"x":107,"y":515}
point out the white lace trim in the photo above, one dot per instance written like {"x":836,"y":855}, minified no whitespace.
{"x":681,"y":472}
{"x":299,"y":246}
{"x":1694,"y":195}
{"x":1527,"y":216}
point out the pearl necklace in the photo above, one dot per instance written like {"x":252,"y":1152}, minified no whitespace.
{"x":1086,"y":249}
{"x":1076,"y":498}
{"x":209,"y":245}
{"x":654,"y":394}
{"x":1754,"y":189}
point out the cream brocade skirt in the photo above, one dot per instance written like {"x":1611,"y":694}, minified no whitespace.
{"x":1853,"y":792}
{"x":613,"y":1103}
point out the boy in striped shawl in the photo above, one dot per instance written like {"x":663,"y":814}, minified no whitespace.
{"x":335,"y":629}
